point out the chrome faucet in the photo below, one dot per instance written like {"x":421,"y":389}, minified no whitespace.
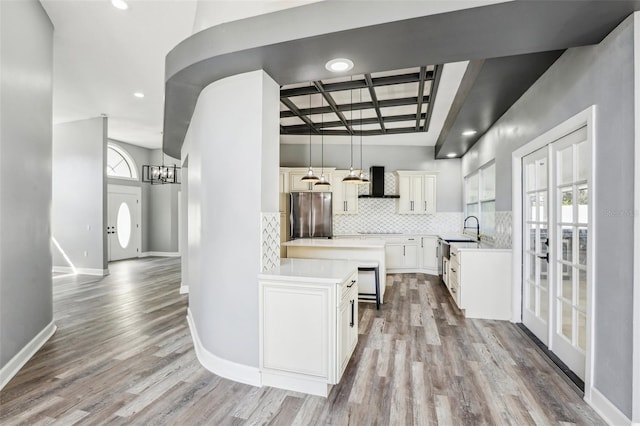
{"x":464,"y":226}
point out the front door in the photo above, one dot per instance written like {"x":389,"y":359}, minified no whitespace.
{"x":555,"y":232}
{"x":123,"y":226}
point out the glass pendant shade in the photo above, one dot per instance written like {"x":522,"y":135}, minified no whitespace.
{"x":322,"y":181}
{"x":363,"y":178}
{"x":310,"y":177}
{"x":352,"y":177}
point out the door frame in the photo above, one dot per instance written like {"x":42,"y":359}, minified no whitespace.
{"x":127,"y":189}
{"x":584,"y":118}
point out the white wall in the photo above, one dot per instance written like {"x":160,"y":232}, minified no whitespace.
{"x":232,"y":146}
{"x":79,"y":214}
{"x":26,"y":58}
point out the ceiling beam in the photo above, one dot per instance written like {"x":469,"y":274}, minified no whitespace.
{"x":388,"y":131}
{"x":333,"y":105}
{"x":357,"y":84}
{"x":423,"y":72}
{"x":358,"y":105}
{"x":374,"y":100}
{"x":294,"y":109}
{"x":432,"y":94}
{"x":302,"y":129}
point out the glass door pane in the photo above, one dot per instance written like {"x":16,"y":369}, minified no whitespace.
{"x":535,"y":243}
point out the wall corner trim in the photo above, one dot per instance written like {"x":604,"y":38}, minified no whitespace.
{"x":222,"y":367}
{"x":21,"y":358}
{"x":605,"y":408}
{"x":184,"y":289}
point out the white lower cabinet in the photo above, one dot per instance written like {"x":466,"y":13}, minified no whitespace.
{"x":347,"y":327}
{"x":410,"y":253}
{"x":480,"y":282}
{"x":429,"y":248}
{"x":308,"y":332}
{"x":401,"y":252}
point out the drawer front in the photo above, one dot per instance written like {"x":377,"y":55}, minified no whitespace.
{"x":348,"y":286}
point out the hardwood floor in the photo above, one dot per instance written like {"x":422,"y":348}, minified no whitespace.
{"x":123,"y":354}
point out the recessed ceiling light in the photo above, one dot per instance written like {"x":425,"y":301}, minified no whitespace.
{"x":451,"y":154}
{"x":469,"y":132}
{"x":339,"y":65}
{"x":120,"y":4}
{"x":139,"y":95}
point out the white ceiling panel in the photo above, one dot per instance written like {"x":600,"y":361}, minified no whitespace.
{"x":398,"y":110}
{"x":397,"y":91}
{"x":399,"y":124}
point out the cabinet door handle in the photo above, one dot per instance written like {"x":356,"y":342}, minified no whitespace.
{"x":452,"y":254}
{"x":352,"y":283}
{"x":404,"y":250}
{"x":453,"y":270}
{"x":453,"y":290}
{"x":421,"y":242}
{"x":344,"y":206}
{"x":425,"y":206}
{"x":353,"y":313}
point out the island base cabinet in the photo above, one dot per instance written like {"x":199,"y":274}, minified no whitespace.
{"x":305,"y":335}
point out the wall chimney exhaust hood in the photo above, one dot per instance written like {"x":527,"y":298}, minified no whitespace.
{"x":376,"y":174}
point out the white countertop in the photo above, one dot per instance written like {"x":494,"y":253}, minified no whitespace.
{"x":336,"y":243}
{"x":477,"y":247}
{"x":320,"y":271}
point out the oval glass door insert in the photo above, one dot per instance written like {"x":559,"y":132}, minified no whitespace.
{"x":124,"y":225}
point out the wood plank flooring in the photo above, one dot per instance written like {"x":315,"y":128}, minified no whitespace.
{"x":122,"y":354}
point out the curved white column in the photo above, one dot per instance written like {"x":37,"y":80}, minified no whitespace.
{"x":233,"y":150}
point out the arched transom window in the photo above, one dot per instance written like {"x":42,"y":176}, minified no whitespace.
{"x":120,"y":164}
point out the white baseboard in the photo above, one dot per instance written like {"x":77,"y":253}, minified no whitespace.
{"x":20,"y":359}
{"x":184,"y":289}
{"x":605,"y":408}
{"x":83,"y":271}
{"x":160,"y":254}
{"x":222,"y":367}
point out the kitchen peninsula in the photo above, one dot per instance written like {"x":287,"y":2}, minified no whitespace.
{"x":363,"y":252}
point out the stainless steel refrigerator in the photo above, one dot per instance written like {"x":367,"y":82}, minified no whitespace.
{"x":311,"y":215}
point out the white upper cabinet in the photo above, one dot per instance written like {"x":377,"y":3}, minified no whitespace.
{"x":417,"y":192}
{"x":296,"y":184}
{"x":345,"y":195}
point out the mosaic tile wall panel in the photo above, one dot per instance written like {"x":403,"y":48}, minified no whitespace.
{"x":504,"y":223}
{"x":270,"y":244}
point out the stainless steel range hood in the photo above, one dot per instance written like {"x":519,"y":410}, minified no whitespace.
{"x":376,"y":175}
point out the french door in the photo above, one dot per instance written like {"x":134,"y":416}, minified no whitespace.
{"x":555,"y":235}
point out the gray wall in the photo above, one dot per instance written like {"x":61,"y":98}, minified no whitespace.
{"x":160,"y":229}
{"x":163,"y":210}
{"x":601,"y":75}
{"x":449,"y":183}
{"x":79,"y":213}
{"x":26,"y":43}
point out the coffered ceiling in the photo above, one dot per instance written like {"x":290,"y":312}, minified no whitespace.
{"x":380,"y":103}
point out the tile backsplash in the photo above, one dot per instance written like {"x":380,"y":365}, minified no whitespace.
{"x":270,"y":240}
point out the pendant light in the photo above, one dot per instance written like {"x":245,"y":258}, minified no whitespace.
{"x":352,"y":177}
{"x":310,"y":177}
{"x":363,"y":178}
{"x":323,"y":182}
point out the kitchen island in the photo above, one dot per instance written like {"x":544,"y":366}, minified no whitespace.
{"x":363,"y":252}
{"x":308,"y":323}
